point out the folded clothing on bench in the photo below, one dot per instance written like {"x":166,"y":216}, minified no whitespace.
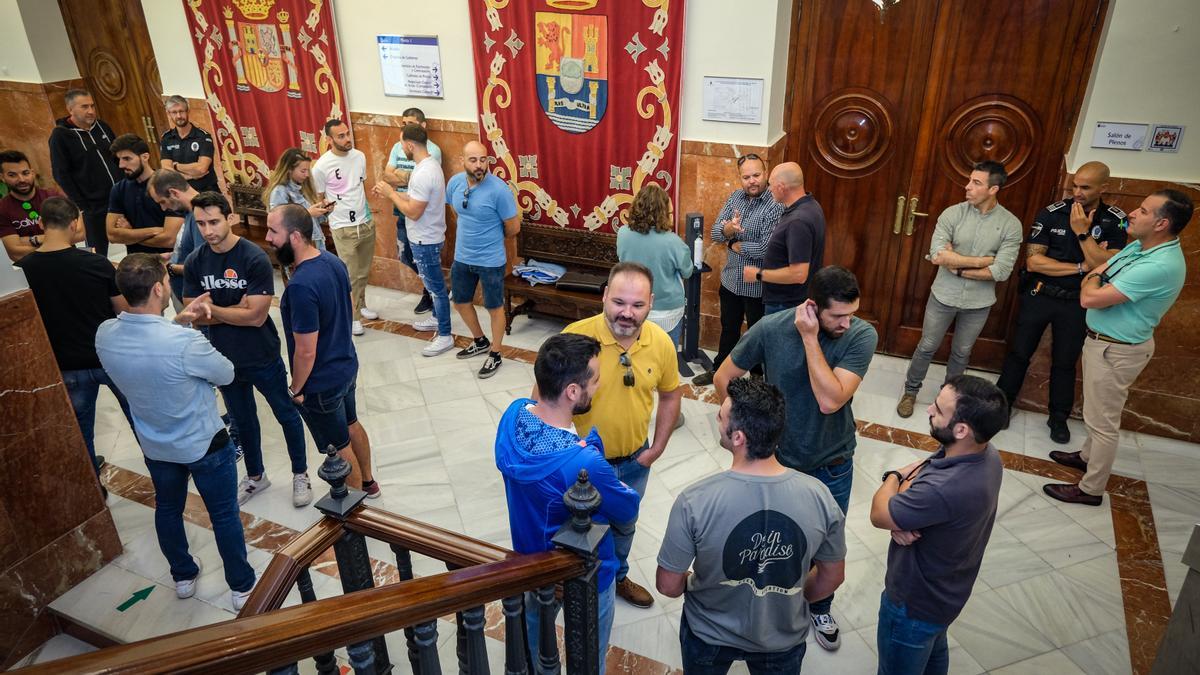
{"x":539,"y":272}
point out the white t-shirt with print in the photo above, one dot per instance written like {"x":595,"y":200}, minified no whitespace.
{"x":343,"y":178}
{"x":428,"y":184}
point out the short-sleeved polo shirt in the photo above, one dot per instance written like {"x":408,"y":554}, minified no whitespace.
{"x":622,"y":414}
{"x":188,"y":150}
{"x":1151,"y":279}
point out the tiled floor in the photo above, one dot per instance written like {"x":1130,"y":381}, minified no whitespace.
{"x":1048,"y":599}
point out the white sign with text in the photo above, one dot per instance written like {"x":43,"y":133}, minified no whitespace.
{"x":1120,"y":135}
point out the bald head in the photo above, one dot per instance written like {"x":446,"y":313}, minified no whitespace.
{"x":1095,"y":170}
{"x":787,"y":183}
{"x":475,"y":161}
{"x":1088,"y":184}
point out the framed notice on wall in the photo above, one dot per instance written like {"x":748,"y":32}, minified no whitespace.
{"x":733,"y":99}
{"x":1120,"y":135}
{"x":1165,"y":138}
{"x":411,"y":65}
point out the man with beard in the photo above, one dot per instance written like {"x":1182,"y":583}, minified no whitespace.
{"x":134,"y":218}
{"x":230,"y":283}
{"x":187,"y":148}
{"x":637,"y":359}
{"x":317,"y":312}
{"x":750,"y":535}
{"x":940,"y":513}
{"x":744,"y":225}
{"x":20,"y":210}
{"x":818,"y":355}
{"x":540,"y":455}
{"x":339,"y":175}
{"x":974,"y":245}
{"x":82,"y":164}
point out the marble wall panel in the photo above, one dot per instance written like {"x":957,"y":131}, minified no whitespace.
{"x":1165,"y":399}
{"x":29,"y":111}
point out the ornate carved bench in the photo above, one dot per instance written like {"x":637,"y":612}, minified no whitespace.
{"x":578,"y":251}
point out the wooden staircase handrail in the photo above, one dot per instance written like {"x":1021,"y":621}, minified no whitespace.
{"x":288,"y":562}
{"x":430,"y":540}
{"x":265,"y":641}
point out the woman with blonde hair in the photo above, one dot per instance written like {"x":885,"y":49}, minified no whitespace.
{"x":291,"y":183}
{"x":650,"y":239}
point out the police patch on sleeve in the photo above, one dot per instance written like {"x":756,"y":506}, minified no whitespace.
{"x":1035,"y":231}
{"x":1096,"y":232}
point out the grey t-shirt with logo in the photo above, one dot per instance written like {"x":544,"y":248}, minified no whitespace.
{"x":750,"y":541}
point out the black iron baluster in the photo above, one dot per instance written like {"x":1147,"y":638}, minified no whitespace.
{"x":547,"y":609}
{"x":581,"y":602}
{"x":405,"y":568}
{"x":515,"y":644}
{"x":326,"y":663}
{"x":425,"y":635}
{"x":476,"y":645}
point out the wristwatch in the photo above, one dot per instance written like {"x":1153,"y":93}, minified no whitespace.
{"x":1082,"y":236}
{"x":758,"y":275}
{"x":899,"y":476}
{"x":958,"y":272}
{"x":1079,"y":268}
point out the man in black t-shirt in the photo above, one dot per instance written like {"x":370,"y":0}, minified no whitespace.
{"x":188,"y":149}
{"x":76,"y":291}
{"x":797,"y":244}
{"x":134,"y":219}
{"x":230,"y":282}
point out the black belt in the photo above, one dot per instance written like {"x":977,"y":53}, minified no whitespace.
{"x":1047,"y":290}
{"x":1104,"y":338}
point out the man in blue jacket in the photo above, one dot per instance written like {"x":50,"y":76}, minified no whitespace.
{"x":540,"y":453}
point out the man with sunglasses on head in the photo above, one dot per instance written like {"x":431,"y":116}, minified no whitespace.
{"x":744,"y":226}
{"x":1125,"y":299}
{"x":487,"y":215}
{"x":637,"y":360}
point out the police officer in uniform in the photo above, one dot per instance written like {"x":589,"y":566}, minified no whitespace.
{"x":1068,"y":239}
{"x":187,"y":148}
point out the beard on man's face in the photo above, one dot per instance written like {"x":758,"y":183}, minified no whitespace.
{"x":943,"y":435}
{"x":285,"y":254}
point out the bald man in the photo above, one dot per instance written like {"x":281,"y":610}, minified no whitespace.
{"x":1068,"y":239}
{"x":796,"y":247}
{"x":487,"y":215}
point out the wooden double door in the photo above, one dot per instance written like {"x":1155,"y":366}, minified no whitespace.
{"x":893,"y":101}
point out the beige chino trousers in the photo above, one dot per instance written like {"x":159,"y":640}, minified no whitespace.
{"x":1109,"y":371}
{"x":356,"y":247}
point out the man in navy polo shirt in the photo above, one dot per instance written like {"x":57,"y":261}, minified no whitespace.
{"x":233,"y":281}
{"x":317,"y":313}
{"x":487,"y":214}
{"x":187,"y":148}
{"x":134,"y":219}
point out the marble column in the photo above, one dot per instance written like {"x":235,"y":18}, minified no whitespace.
{"x":55,"y":530}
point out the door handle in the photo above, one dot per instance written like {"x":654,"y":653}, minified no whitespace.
{"x":148,"y":125}
{"x":912,"y":215}
{"x":899,"y":215}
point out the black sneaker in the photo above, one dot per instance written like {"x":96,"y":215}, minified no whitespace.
{"x":490,"y":366}
{"x":478,"y":346}
{"x":425,"y":305}
{"x":703,"y":379}
{"x":1059,"y":431}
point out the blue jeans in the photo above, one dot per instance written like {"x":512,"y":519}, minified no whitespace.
{"x":215,"y":476}
{"x":533,"y":622}
{"x":271,"y":381}
{"x":83,"y":386}
{"x":676,"y":334}
{"x":429,"y":265}
{"x":772,"y":307}
{"x":839,"y":479}
{"x":635,"y":476}
{"x":908,"y":645}
{"x":329,"y":415}
{"x":406,"y":254}
{"x":701,"y":658}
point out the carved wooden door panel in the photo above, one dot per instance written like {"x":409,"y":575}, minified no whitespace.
{"x":116,"y":61}
{"x":1005,"y":82}
{"x":859,"y":74}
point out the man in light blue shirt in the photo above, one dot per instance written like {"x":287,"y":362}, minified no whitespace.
{"x":487,"y":214}
{"x":1125,"y":299}
{"x":396,"y":172}
{"x":167,"y":372}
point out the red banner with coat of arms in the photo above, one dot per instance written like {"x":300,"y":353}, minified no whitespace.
{"x":579,"y":102}
{"x":271,"y":78}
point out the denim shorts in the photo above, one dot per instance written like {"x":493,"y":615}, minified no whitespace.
{"x":464,"y":278}
{"x":329,"y":415}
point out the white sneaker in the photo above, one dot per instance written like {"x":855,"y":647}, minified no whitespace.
{"x":368,"y":314}
{"x":187,"y":588}
{"x":248,"y":487}
{"x":426,"y":325}
{"x":826,"y":631}
{"x":301,"y":490}
{"x":438,"y":345}
{"x":356,"y":328}
{"x":238,"y":598}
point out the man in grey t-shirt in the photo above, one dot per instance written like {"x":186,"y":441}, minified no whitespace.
{"x":750,"y":536}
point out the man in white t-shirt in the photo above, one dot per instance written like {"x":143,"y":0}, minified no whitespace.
{"x":396,"y":171}
{"x":340,"y":174}
{"x":424,"y":209}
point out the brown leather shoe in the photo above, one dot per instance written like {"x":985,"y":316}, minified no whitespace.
{"x":1073,"y":460}
{"x":1070,"y":494}
{"x":905,"y":407}
{"x":703,"y":379}
{"x":631,"y":592}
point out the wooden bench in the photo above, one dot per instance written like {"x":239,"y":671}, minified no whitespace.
{"x":578,"y":251}
{"x":252,"y":217}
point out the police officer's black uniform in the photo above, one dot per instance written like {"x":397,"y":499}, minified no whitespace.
{"x":1055,"y":301}
{"x":188,"y":150}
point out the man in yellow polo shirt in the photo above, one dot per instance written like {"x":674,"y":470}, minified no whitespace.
{"x":637,"y":359}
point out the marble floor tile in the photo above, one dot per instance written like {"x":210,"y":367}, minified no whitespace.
{"x":857,"y":599}
{"x":1006,"y":560}
{"x":1062,"y":609}
{"x":995,"y":634}
{"x":58,"y":647}
{"x":1106,"y":654}
{"x":1170,"y":469}
{"x":656,"y":637}
{"x":1175,"y":572}
{"x":854,"y":656}
{"x":1050,"y":663}
{"x":1176,"y":513}
{"x":390,"y":398}
{"x":1051,"y":534}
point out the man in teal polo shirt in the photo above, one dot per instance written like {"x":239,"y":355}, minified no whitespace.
{"x":1125,"y":299}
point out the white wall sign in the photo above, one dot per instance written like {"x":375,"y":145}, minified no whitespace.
{"x":411,"y":65}
{"x":1120,"y":135}
{"x":733,"y":99}
{"x":1165,"y":138}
